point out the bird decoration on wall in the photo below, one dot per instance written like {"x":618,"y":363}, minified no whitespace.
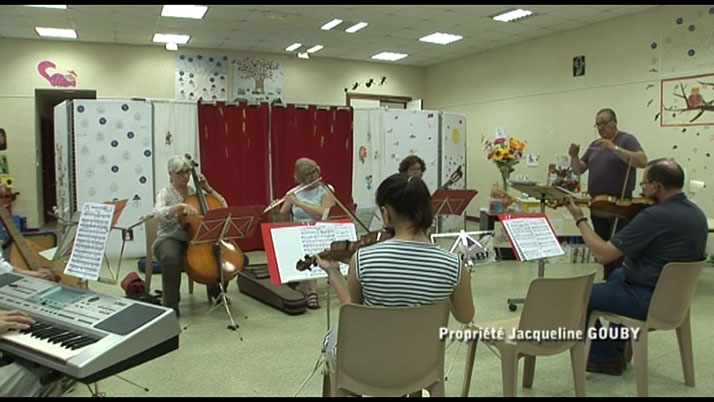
{"x":368,"y":84}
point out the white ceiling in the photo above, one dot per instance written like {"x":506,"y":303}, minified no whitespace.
{"x":272,"y":28}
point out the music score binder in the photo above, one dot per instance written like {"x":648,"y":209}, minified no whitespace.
{"x":531,"y":236}
{"x":283,"y":247}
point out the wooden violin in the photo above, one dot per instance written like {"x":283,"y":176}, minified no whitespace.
{"x":343,"y":250}
{"x":608,"y":206}
{"x":201,"y":262}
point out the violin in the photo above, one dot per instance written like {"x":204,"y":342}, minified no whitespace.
{"x":608,"y":206}
{"x":342,"y":250}
{"x":201,"y":262}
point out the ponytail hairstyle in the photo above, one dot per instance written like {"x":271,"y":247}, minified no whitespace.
{"x":409,"y":197}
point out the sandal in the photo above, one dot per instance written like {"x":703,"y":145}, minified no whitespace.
{"x":313,"y":302}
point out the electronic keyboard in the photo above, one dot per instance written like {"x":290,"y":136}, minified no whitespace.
{"x":84,"y":335}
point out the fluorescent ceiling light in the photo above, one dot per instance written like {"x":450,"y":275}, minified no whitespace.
{"x":303,"y":55}
{"x":171,"y":46}
{"x":513,"y":15}
{"x":60,"y":6}
{"x":184,"y":11}
{"x":314,"y":48}
{"x":331,"y":24}
{"x":389,"y":56}
{"x":56,"y":32}
{"x":292,"y":47}
{"x":356,"y":27}
{"x":441,"y":38}
{"x":178,"y":39}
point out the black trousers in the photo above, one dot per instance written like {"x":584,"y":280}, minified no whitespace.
{"x":603,"y":228}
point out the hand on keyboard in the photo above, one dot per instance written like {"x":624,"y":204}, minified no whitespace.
{"x":14,"y":319}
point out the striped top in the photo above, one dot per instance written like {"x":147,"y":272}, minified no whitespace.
{"x":406,"y":273}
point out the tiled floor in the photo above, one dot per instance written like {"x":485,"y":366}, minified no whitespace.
{"x":278,"y":351}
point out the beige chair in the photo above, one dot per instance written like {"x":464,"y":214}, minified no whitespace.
{"x":551,"y":304}
{"x":151,"y":226}
{"x":388,"y":351}
{"x":669,"y":309}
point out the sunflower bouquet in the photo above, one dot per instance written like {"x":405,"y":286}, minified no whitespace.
{"x":505,"y":152}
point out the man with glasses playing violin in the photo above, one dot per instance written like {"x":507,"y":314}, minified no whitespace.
{"x":612,"y":160}
{"x":674,"y":229}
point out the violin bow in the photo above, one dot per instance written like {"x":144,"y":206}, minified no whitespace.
{"x":622,"y":194}
{"x":343,"y":207}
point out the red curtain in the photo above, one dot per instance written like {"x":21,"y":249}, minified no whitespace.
{"x":321,"y":134}
{"x":234,"y":156}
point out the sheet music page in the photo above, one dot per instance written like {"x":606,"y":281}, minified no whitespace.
{"x":92,"y":234}
{"x":294,"y":242}
{"x":533,"y":238}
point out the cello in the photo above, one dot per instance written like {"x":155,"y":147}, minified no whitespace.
{"x":202,"y":259}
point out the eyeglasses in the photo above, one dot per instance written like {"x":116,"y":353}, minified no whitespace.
{"x":601,"y":124}
{"x":181,"y":172}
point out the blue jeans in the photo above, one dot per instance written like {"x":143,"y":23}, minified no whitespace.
{"x":619,"y":297}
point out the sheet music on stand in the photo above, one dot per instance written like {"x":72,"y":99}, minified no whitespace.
{"x":531,"y":236}
{"x":92,"y":233}
{"x":288,"y":242}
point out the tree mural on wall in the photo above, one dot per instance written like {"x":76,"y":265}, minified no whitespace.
{"x":257,"y":80}
{"x":259,"y":70}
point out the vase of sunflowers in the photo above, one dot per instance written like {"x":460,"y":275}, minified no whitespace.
{"x":505,"y":153}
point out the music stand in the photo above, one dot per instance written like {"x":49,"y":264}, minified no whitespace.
{"x":450,"y":202}
{"x":218,"y":225}
{"x":543,"y":194}
{"x":467,"y":246}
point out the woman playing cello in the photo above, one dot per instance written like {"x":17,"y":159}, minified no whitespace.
{"x":171,"y":238}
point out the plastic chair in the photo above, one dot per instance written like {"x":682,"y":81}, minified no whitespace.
{"x":388,"y":351}
{"x":669,"y":309}
{"x":151,"y":226}
{"x":551,"y":304}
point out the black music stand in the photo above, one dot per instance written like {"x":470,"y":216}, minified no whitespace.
{"x":218,"y":225}
{"x":543,"y":194}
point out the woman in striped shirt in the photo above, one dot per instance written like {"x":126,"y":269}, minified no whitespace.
{"x":406,"y":270}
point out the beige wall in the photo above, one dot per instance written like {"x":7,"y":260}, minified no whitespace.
{"x":529,"y":89}
{"x":123,"y":71}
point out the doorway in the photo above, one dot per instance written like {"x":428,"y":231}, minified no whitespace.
{"x":45,"y":102}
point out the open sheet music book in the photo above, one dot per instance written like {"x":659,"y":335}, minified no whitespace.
{"x":531,"y":236}
{"x":289,"y":242}
{"x":92,"y":233}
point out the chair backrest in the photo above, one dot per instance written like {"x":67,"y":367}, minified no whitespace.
{"x":390,"y":351}
{"x":150,"y":226}
{"x":555,"y":304}
{"x":673,"y":294}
